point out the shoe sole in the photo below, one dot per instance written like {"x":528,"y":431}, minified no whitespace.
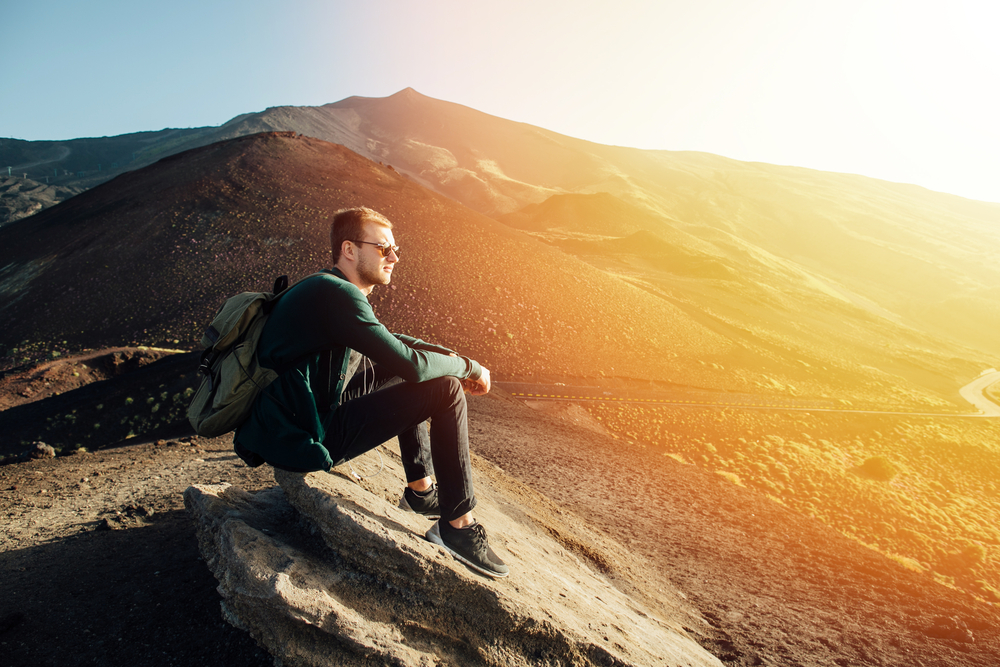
{"x":405,"y":506}
{"x":434,"y":536}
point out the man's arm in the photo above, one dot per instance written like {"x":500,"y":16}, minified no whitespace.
{"x":418,"y":344}
{"x":348,"y":318}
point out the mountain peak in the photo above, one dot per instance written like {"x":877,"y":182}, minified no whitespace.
{"x":407,"y":94}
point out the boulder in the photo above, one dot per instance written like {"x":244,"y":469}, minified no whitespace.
{"x":374,"y":591}
{"x":38,"y":450}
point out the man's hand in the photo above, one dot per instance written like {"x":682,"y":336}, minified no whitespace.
{"x":478,"y":387}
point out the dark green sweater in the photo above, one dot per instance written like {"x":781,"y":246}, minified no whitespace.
{"x":326,"y":312}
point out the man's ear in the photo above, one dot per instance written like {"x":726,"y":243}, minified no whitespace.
{"x":347,"y":250}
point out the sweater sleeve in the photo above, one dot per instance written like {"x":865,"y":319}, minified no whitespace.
{"x":351,"y":321}
{"x":418,"y":344}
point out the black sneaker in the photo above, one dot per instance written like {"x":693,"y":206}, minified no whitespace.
{"x":426,"y":505}
{"x":468,"y":545}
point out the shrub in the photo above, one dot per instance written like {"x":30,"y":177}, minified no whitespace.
{"x":878,"y":468}
{"x":732,"y":477}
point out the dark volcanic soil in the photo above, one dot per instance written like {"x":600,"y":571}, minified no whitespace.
{"x":100,"y":564}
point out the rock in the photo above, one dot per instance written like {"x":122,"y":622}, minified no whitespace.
{"x":378,"y":593}
{"x":128,"y":517}
{"x":39,"y":450}
{"x":951,"y":628}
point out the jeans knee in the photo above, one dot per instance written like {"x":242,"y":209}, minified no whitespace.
{"x":453,"y":386}
{"x":451,"y":389}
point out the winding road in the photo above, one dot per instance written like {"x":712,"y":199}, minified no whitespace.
{"x":974,"y":393}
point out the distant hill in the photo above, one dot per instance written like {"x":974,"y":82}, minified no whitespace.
{"x":84,"y":163}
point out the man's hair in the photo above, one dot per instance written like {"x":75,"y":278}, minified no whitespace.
{"x":349,"y":225}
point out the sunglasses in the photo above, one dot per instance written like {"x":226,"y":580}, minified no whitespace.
{"x":383,"y":248}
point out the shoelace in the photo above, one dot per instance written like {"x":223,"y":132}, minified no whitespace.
{"x":479,"y":541}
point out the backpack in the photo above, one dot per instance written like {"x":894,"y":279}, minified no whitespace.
{"x":233,"y":378}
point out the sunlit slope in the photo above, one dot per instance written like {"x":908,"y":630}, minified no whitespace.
{"x":901,"y":250}
{"x":599,"y":214}
{"x":928,"y":258}
{"x":148,"y":257}
{"x":769,"y":304}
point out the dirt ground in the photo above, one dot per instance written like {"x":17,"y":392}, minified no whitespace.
{"x":99,"y":562}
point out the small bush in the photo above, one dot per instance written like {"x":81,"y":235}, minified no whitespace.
{"x":732,"y":477}
{"x":878,"y":468}
{"x":908,"y":563}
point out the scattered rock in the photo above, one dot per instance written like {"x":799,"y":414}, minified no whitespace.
{"x":127,"y":517}
{"x":951,"y":628}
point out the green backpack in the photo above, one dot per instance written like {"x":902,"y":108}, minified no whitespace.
{"x":233,"y":378}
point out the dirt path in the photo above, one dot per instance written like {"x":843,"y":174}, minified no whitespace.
{"x":64,"y":152}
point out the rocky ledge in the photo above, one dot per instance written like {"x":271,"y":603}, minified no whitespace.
{"x":373,"y":591}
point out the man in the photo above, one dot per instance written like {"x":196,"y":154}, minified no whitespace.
{"x":347,"y":385}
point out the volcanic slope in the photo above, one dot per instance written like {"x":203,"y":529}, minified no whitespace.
{"x":883,"y":286}
{"x":771,"y":303}
{"x":147,"y":258}
{"x":921,"y":259}
{"x":899,"y":251}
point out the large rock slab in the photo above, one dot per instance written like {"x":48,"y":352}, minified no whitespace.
{"x":379,"y":593}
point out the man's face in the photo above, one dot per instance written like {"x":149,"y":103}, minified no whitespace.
{"x":373,"y":268}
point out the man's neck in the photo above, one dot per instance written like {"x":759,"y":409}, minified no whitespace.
{"x":352,"y":277}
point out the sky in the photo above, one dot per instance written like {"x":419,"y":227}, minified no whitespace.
{"x":905,"y":91}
